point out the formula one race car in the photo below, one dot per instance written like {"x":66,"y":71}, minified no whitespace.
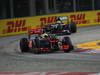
{"x":61,"y":28}
{"x":49,"y":38}
{"x":40,"y":42}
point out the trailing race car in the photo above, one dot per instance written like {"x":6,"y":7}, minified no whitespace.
{"x":61,"y":28}
{"x":40,"y":42}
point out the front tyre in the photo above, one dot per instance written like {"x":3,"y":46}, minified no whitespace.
{"x":24,"y":45}
{"x":67,"y":41}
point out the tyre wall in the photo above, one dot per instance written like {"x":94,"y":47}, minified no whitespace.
{"x":21,"y":25}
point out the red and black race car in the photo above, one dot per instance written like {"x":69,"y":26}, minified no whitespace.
{"x":40,"y":42}
{"x":49,"y":38}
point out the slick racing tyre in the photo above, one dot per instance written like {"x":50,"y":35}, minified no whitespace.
{"x":37,"y":42}
{"x":72,"y":27}
{"x":24,"y":45}
{"x":67,"y":41}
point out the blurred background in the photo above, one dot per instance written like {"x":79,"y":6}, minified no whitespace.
{"x":25,"y":8}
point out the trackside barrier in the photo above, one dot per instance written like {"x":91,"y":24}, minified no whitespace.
{"x":20,"y":25}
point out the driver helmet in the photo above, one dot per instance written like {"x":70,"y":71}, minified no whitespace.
{"x":58,"y":20}
{"x":45,"y":35}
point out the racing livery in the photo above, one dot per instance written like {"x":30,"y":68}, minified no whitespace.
{"x":50,"y":38}
{"x":60,"y":27}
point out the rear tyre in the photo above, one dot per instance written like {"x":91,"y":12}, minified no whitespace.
{"x":24,"y":45}
{"x":67,"y":41}
{"x":72,"y":27}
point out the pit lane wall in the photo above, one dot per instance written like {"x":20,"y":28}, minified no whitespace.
{"x":20,"y":25}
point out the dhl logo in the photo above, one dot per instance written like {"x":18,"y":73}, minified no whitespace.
{"x":78,"y":18}
{"x":98,"y":17}
{"x":47,"y":20}
{"x":15,"y":26}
